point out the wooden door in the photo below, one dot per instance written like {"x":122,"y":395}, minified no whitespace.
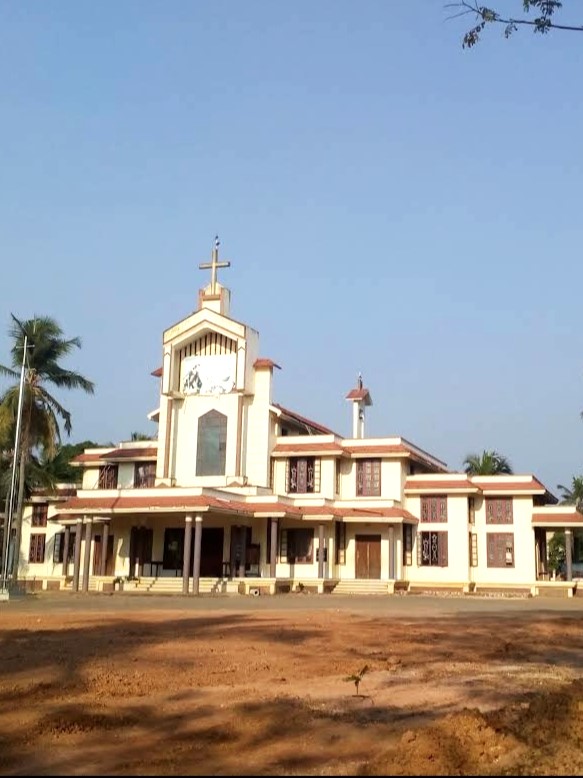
{"x":368,"y":556}
{"x":97,"y":551}
{"x":211,"y":552}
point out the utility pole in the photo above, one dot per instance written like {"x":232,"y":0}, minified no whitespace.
{"x":9,"y":557}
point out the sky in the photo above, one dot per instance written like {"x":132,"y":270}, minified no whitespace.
{"x":390,"y":203}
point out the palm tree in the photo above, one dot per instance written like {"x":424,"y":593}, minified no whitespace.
{"x":574,"y":494}
{"x":41,"y":412}
{"x":487,"y":463}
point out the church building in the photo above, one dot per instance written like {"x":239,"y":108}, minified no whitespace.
{"x":238,"y":494}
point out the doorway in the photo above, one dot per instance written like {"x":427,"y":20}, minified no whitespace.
{"x":368,"y":556}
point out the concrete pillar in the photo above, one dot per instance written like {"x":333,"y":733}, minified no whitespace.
{"x":66,"y":542}
{"x":243,"y":546}
{"x":77,"y":558}
{"x":569,"y":553}
{"x":187,"y":544}
{"x":87,"y":558}
{"x":104,"y":539}
{"x":320,"y":551}
{"x":273,"y":550}
{"x":196,"y":561}
{"x":391,"y":553}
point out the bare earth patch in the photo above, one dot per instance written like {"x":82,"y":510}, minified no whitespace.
{"x":100,"y":691}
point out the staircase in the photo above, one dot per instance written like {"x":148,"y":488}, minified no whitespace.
{"x":362,"y":586}
{"x":174,"y":586}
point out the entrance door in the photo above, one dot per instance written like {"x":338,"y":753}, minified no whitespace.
{"x":368,"y":556}
{"x":173,"y":549}
{"x":141,"y":540}
{"x":98,"y":552}
{"x":211,"y":552}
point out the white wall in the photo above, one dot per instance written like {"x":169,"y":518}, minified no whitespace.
{"x":524,"y":570}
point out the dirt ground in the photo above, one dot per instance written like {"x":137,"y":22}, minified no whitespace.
{"x":127,"y":689}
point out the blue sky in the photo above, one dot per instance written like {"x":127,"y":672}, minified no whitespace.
{"x":390,"y":203}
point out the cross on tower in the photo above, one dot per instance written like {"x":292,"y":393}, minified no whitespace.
{"x":214,"y":265}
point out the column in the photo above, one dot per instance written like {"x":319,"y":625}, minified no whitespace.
{"x":273,"y":550}
{"x":569,"y":553}
{"x":186,"y":558}
{"x":320,"y":551}
{"x":77,"y":559}
{"x":243,"y":546}
{"x":196,"y":561}
{"x":104,"y":539}
{"x":391,"y":553}
{"x":66,"y":541}
{"x":87,"y":559}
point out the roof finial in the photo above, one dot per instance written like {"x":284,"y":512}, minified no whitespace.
{"x":359,"y":380}
{"x":214,"y":265}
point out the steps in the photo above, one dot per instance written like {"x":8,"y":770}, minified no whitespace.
{"x":174,"y":586}
{"x":363,"y":586}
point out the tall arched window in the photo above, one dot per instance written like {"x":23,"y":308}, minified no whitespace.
{"x":211,"y":448}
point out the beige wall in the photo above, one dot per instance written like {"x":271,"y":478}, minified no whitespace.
{"x":185,"y":431}
{"x":257,"y":430}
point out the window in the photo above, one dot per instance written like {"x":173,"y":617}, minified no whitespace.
{"x":40,"y":511}
{"x":58,"y":547}
{"x":472,"y":510}
{"x":434,"y":508}
{"x":432,"y":549}
{"x":473,"y":549}
{"x":144,"y":475}
{"x":407,"y":544}
{"x":211,"y":449}
{"x":36,"y":551}
{"x":368,"y":477}
{"x":500,"y":549}
{"x":296,"y":546}
{"x":337,"y":476}
{"x":108,"y":477}
{"x":303,"y":475}
{"x":340,"y":543}
{"x":498,"y":510}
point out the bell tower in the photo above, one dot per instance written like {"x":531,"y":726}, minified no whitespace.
{"x":360,"y":398}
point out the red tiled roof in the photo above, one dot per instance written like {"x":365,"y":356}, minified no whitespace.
{"x":511,"y":486}
{"x":441,"y":486}
{"x":388,"y":448}
{"x":307,"y":448}
{"x":265,"y":362}
{"x":303,"y":420}
{"x":358,"y":394}
{"x":132,"y":453}
{"x":82,"y":458}
{"x":157,"y":372}
{"x":145,"y":503}
{"x":572,"y":517}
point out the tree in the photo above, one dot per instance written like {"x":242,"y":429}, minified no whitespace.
{"x":356,"y":678}
{"x":140,"y":436}
{"x":41,"y":411}
{"x":557,"y":553}
{"x":543,"y":22}
{"x":487,"y":463}
{"x":573,"y":495}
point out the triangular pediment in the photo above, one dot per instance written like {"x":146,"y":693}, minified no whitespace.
{"x":201,"y":323}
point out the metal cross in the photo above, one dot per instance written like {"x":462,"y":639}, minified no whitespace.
{"x":214,"y":265}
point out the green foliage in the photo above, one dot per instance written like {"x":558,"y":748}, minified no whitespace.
{"x":573,"y":495}
{"x":542,"y":21}
{"x":487,"y":463}
{"x":356,"y":678}
{"x":556,"y":551}
{"x":141,"y":436}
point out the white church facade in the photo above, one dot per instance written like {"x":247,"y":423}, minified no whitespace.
{"x":238,"y":494}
